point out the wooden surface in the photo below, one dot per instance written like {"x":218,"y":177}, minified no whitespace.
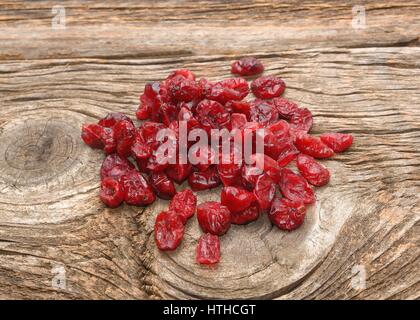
{"x":364,"y":81}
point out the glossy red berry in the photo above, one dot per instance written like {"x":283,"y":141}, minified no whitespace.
{"x":268,"y":165}
{"x":124,"y":133}
{"x":313,"y":146}
{"x":227,"y":90}
{"x":247,"y":66}
{"x":137,"y":190}
{"x":178,"y":172}
{"x":111,"y":192}
{"x":208,"y":249}
{"x":236,"y":199}
{"x":162,"y":185}
{"x":263,"y":112}
{"x":112,"y":118}
{"x":267,"y":87}
{"x":287,"y":154}
{"x":212,"y":115}
{"x":301,"y":120}
{"x":338,"y":142}
{"x":169,"y":230}
{"x":239,"y":107}
{"x":184,"y":204}
{"x":204,"y":180}
{"x":287,"y":214}
{"x":248,"y":215}
{"x":183,"y":89}
{"x":250,"y":174}
{"x":213,"y":217}
{"x":92,"y":135}
{"x":314,"y":172}
{"x":264,"y":191}
{"x":294,"y":187}
{"x":115,"y":166}
{"x":285,"y":107}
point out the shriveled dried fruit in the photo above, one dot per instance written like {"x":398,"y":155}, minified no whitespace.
{"x":248,"y":215}
{"x":338,"y":142}
{"x":263,"y":112}
{"x":179,"y":172}
{"x":112,"y":118}
{"x":313,"y":146}
{"x":111,"y":192}
{"x":247,"y":66}
{"x":264,"y":191}
{"x":314,"y":172}
{"x":268,"y":165}
{"x":162,"y":185}
{"x":124,"y":133}
{"x":137,"y":190}
{"x":204,"y":180}
{"x":236,"y":199}
{"x":287,"y":214}
{"x":267,"y":87}
{"x":208,"y":249}
{"x":227,"y":90}
{"x":213,"y":217}
{"x":169,"y":230}
{"x":212,"y":115}
{"x":285,"y":107}
{"x":115,"y":166}
{"x":301,"y":120}
{"x":294,"y":187}
{"x":287,"y":154}
{"x":184,"y":204}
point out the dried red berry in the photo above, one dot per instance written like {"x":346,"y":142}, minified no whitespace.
{"x":227,"y":90}
{"x":183,"y":89}
{"x":314,"y":172}
{"x":250,"y":176}
{"x":263,"y":112}
{"x":313,"y":146}
{"x":301,"y":120}
{"x":137,"y":190}
{"x":268,"y":165}
{"x":179,"y":172}
{"x":338,"y":142}
{"x":169,"y":230}
{"x":287,"y":154}
{"x":124,"y":133}
{"x":239,"y":107}
{"x":185,"y":73}
{"x":230,"y":169}
{"x":236,"y":199}
{"x":208,"y":249}
{"x":112,"y":118}
{"x":294,"y":187}
{"x":164,"y":188}
{"x":111,"y":192}
{"x":213,"y":217}
{"x":153,"y":96}
{"x":249,"y":214}
{"x":212,"y":115}
{"x":204,"y":180}
{"x":264,"y":191}
{"x":115,"y":167}
{"x":184,"y":204}
{"x":267,"y":87}
{"x":247,"y":66}
{"x":92,"y":135}
{"x":287,"y":214}
{"x":285,"y":107}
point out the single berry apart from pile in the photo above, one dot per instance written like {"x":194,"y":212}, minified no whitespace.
{"x":208,"y":249}
{"x":213,"y":217}
{"x":169,"y":230}
{"x":247,"y":66}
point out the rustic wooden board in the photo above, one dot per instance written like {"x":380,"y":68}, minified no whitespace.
{"x":365,"y":81}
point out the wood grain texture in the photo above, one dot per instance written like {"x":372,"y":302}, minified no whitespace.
{"x":363,"y":81}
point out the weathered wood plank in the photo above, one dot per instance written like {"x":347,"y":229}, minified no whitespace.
{"x":361,"y":81}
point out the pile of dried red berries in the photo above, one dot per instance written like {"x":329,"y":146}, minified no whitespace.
{"x":247,"y":190}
